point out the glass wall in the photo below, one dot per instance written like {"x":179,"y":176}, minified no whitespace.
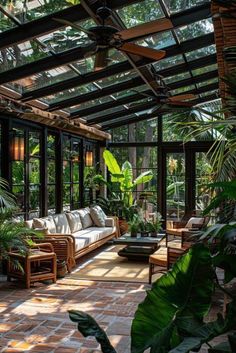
{"x":71,"y":162}
{"x":51,"y":173}
{"x":26,"y":170}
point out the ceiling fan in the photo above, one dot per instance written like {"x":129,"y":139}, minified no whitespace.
{"x":163,"y":97}
{"x":105,"y":37}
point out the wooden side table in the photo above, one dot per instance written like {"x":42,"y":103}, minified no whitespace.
{"x":39,"y":265}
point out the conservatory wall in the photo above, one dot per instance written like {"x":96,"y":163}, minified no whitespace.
{"x":180,"y":169}
{"x":46,"y":168}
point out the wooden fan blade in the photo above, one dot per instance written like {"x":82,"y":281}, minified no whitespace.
{"x":135,"y":49}
{"x":145,"y":29}
{"x":74,"y":25}
{"x":181,"y":97}
{"x":101,"y":59}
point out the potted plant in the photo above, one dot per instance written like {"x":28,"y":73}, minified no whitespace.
{"x":144,"y":228}
{"x":155,"y":226}
{"x":134,"y":225}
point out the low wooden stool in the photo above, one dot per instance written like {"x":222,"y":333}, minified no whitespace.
{"x":42,"y":255}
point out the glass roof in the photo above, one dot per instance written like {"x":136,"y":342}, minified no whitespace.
{"x":32,"y":9}
{"x":145,"y":11}
{"x":56,"y":82}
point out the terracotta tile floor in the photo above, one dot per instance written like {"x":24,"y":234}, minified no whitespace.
{"x":36,"y":320}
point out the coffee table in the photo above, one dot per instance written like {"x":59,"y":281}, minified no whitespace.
{"x":138,"y":248}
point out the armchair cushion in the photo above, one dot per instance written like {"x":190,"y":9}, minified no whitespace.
{"x":195,"y":222}
{"x":74,"y":221}
{"x":98,"y":216}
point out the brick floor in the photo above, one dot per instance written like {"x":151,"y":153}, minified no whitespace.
{"x":36,"y":320}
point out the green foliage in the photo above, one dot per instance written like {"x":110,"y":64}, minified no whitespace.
{"x":73,"y":2}
{"x":124,"y":177}
{"x":89,"y":327}
{"x":176,"y":304}
{"x":134,"y":223}
{"x":226,"y":191}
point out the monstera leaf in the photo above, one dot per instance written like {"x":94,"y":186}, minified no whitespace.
{"x":176,"y":304}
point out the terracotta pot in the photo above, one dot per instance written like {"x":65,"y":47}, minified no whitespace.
{"x":123,"y":226}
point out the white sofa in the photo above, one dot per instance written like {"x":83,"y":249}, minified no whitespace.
{"x":74,"y":234}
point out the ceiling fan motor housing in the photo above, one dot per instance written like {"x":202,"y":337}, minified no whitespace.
{"x":104,"y":13}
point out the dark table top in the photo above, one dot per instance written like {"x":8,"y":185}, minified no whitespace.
{"x":126,"y":239}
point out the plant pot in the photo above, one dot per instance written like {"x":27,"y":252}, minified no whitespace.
{"x":61,"y":269}
{"x":153,"y":234}
{"x":133,"y":234}
{"x":123,"y":226}
{"x":144,"y":233}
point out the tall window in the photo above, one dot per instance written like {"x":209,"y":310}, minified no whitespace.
{"x":51,"y":173}
{"x":71,"y":168}
{"x":26,"y":180}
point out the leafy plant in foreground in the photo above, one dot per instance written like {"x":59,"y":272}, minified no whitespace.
{"x":171,"y":318}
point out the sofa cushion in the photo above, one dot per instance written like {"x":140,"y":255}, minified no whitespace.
{"x":74,"y":221}
{"x":44,"y":223}
{"x":85,"y":217}
{"x":86,"y":237}
{"x":195,"y":221}
{"x":98,"y":216}
{"x":50,"y":224}
{"x":62,"y":225}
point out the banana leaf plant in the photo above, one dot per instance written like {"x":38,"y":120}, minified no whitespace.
{"x":123,"y":177}
{"x":172,"y":317}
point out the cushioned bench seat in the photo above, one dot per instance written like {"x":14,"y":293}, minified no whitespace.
{"x":90,"y":235}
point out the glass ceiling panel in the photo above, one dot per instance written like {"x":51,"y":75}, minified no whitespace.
{"x":59,"y":74}
{"x":199,"y":53}
{"x":43,"y":79}
{"x":208,"y":82}
{"x":169,"y":62}
{"x":20,"y":54}
{"x":90,"y":104}
{"x":5,"y":23}
{"x":182,"y":90}
{"x":142,"y":12}
{"x":202,"y":70}
{"x":106,"y":112}
{"x":158,"y":41}
{"x":194,"y":30}
{"x":129,"y":92}
{"x":70,"y":93}
{"x":209,"y":93}
{"x":176,"y":78}
{"x":135,"y":104}
{"x":176,"y":6}
{"x":32,"y":9}
{"x":67,"y":38}
{"x":115,"y":79}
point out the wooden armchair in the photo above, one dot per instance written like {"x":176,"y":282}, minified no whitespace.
{"x":186,"y":229}
{"x":164,"y":258}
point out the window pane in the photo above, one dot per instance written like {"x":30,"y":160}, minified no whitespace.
{"x":175,"y":185}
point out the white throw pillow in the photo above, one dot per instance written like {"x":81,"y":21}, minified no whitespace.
{"x":44,"y":223}
{"x":98,"y":216}
{"x":194,"y":220}
{"x":74,"y":221}
{"x":85,"y":217}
